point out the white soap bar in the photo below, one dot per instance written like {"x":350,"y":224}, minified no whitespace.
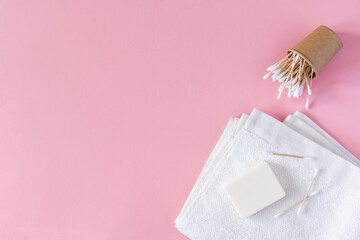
{"x":255,"y":190}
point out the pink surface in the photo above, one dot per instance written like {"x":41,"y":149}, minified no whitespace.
{"x":109,"y":109}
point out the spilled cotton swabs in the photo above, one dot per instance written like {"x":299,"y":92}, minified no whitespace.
{"x":316,"y":172}
{"x":305,"y":198}
{"x":295,"y":204}
{"x":307,"y":195}
{"x":293,"y":72}
{"x":304,"y":62}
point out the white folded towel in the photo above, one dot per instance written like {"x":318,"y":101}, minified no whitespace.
{"x":306,"y":127}
{"x":332,"y":214}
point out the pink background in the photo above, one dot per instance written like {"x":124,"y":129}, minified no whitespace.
{"x":109,"y":109}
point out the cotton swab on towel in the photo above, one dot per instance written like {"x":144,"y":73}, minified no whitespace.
{"x":294,"y":156}
{"x":316,"y":172}
{"x":297,"y":203}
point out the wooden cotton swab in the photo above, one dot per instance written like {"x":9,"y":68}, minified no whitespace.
{"x":309,"y":188}
{"x":287,"y":155}
{"x":297,"y":203}
{"x":294,"y":156}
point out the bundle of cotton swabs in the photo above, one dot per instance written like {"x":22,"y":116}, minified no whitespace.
{"x":293,"y":72}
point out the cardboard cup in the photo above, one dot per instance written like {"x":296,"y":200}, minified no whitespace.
{"x":318,"y":48}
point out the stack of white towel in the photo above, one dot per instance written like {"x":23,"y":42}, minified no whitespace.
{"x":334,"y":213}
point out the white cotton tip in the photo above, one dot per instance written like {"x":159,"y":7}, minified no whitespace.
{"x":299,"y":210}
{"x":301,"y":89}
{"x":276,"y":72}
{"x":297,"y":58}
{"x":281,"y":88}
{"x":316,"y":172}
{"x":275,"y":76}
{"x":309,"y":89}
{"x":309,"y":158}
{"x":290,"y":93}
{"x":282,"y":79}
{"x":272,"y":68}
{"x":307,"y":104}
{"x":296,"y":93}
{"x":278,"y":215}
{"x":314,"y":193}
{"x":267,"y":75}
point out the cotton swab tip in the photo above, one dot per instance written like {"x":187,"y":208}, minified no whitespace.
{"x":309,"y":90}
{"x":299,"y":210}
{"x":278,"y":215}
{"x":290,"y":93}
{"x":296,"y":93}
{"x":307,"y":104}
{"x":314,"y":193}
{"x":316,"y":172}
{"x":282,"y":79}
{"x":266,"y":76}
{"x":272,"y":68}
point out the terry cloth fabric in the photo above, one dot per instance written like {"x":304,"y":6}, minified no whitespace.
{"x":217,"y":154}
{"x":332,"y":214}
{"x":305,"y":126}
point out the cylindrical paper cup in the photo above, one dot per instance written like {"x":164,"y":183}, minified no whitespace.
{"x":318,"y":48}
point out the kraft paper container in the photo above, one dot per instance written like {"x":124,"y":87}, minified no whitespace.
{"x":318,"y":48}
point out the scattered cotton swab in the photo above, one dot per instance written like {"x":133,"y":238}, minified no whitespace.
{"x":294,"y":156}
{"x":316,"y":172}
{"x":297,"y":203}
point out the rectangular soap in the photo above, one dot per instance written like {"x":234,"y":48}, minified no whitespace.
{"x":256,"y":189}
